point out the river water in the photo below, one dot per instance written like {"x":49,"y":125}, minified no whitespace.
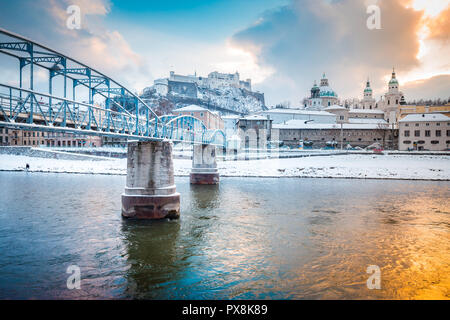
{"x":244,"y":239}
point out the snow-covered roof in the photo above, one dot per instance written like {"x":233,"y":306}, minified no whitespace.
{"x":335,"y":107}
{"x":297,"y":111}
{"x":300,"y":124}
{"x":191,"y":108}
{"x":254,"y":117}
{"x":367,"y":120}
{"x":366,"y":111}
{"x":326,"y":91}
{"x":419,"y":117}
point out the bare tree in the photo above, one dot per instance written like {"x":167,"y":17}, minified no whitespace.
{"x":381,"y":130}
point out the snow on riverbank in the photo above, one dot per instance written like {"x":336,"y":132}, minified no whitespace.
{"x":415,"y":167}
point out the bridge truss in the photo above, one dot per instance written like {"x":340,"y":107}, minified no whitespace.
{"x":29,"y":109}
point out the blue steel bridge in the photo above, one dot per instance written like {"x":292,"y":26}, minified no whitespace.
{"x":29,"y":109}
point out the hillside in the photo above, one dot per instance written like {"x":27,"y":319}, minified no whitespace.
{"x":226,"y":100}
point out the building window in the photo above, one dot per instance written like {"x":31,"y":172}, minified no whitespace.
{"x":427,"y":124}
{"x":406,"y":124}
{"x":435,"y":142}
{"x":406,"y":133}
{"x":427,"y":133}
{"x":417,"y":124}
{"x":438,"y":124}
{"x":417,"y":133}
{"x":438,"y":133}
{"x":406,"y":142}
{"x":448,"y":133}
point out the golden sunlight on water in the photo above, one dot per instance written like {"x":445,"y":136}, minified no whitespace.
{"x":244,"y":239}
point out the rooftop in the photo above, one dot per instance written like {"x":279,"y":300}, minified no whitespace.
{"x":420,"y":117}
{"x":335,"y":107}
{"x":367,"y":120}
{"x":297,"y":111}
{"x":300,"y":124}
{"x":254,"y":117}
{"x":366,"y":111}
{"x":191,"y":108}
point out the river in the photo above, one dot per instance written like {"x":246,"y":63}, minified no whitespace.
{"x":248,"y":238}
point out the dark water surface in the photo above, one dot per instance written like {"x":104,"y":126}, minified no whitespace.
{"x":244,"y":239}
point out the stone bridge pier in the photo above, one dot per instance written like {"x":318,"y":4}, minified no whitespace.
{"x":204,"y":165}
{"x":150,"y":191}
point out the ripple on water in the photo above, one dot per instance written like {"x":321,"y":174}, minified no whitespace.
{"x":245,"y":239}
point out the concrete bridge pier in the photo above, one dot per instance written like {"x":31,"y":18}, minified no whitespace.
{"x":204,"y":165}
{"x":150,"y":191}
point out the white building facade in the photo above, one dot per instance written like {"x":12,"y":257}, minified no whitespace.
{"x":424,"y":132}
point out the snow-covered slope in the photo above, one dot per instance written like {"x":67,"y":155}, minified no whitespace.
{"x":221,"y":99}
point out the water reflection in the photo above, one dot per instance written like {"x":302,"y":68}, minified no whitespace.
{"x":243,"y":239}
{"x":152,"y":256}
{"x":204,"y":196}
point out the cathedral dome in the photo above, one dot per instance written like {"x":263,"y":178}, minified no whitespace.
{"x":368,"y":89}
{"x":393,"y":79}
{"x":327,"y":93}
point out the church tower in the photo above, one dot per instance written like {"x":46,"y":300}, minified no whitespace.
{"x":392,"y":99}
{"x":324,"y":81}
{"x":393,"y":83}
{"x":368,"y":100}
{"x":315,"y":91}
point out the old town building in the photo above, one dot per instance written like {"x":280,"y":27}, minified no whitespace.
{"x":424,"y":132}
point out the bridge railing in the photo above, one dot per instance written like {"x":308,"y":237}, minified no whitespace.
{"x":23,"y":106}
{"x":27,"y":108}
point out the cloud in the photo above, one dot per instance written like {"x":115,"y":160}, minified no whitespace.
{"x":440,"y":26}
{"x":100,"y":48}
{"x":431,"y":88}
{"x":302,"y":40}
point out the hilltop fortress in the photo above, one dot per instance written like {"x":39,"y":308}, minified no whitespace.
{"x":224,"y":92}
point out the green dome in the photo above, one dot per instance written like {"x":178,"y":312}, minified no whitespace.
{"x":328,"y":94}
{"x":393,"y":81}
{"x":368,"y":89}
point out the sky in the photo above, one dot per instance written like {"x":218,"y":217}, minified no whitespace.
{"x":282,"y":45}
